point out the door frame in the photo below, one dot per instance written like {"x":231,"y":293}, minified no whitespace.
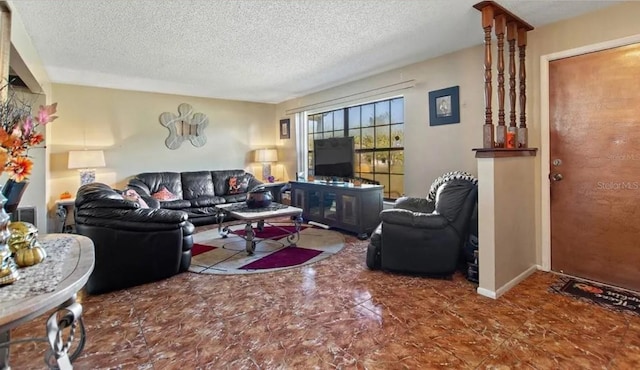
{"x":545,"y":169}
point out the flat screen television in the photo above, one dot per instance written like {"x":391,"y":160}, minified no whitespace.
{"x":333,"y":157}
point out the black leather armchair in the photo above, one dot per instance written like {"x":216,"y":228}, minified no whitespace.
{"x":424,"y":237}
{"x":133,"y":245}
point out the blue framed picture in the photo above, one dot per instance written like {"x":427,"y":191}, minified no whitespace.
{"x":444,"y":106}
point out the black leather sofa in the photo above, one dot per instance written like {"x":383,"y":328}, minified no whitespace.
{"x":425,"y":237}
{"x":133,"y":245}
{"x":197,"y":192}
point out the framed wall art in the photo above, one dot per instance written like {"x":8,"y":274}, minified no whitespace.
{"x":285,"y":132}
{"x":444,"y":106}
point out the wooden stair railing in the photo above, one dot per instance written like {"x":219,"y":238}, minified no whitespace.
{"x":501,"y":21}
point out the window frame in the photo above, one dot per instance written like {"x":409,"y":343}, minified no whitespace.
{"x":319,"y":125}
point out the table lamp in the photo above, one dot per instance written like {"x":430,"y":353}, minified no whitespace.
{"x":266,"y":157}
{"x":86,"y":161}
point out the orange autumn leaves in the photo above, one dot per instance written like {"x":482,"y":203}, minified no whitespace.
{"x":18,"y":137}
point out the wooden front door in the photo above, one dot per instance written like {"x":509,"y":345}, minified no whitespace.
{"x":594,"y":119}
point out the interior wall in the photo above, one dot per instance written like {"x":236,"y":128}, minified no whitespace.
{"x":30,"y":62}
{"x":27,"y":63}
{"x":506,"y":222}
{"x":487,"y":208}
{"x":125,"y":124}
{"x":514,"y":218}
{"x":429,"y":150}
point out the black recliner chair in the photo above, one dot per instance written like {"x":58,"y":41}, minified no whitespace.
{"x":132,"y":245}
{"x":425,"y":237}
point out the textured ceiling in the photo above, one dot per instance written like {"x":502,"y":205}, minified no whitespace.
{"x":254,"y":50}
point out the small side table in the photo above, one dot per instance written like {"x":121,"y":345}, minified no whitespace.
{"x":63,"y":208}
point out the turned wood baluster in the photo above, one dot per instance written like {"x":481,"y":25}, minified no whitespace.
{"x":487,"y":129}
{"x":512,"y":32}
{"x":522,"y":130}
{"x":501,"y":130}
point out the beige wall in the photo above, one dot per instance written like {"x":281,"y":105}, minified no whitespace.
{"x":125,"y":124}
{"x":24,"y":60}
{"x":514,"y":217}
{"x":506,"y":219}
{"x":429,"y":150}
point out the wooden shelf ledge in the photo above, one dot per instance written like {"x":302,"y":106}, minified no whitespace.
{"x":499,"y":10}
{"x":505,"y":152}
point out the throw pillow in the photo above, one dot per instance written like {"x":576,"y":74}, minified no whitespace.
{"x":133,"y":196}
{"x":164,"y":195}
{"x":237,"y":185}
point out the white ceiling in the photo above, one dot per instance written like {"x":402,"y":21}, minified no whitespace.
{"x":254,"y":50}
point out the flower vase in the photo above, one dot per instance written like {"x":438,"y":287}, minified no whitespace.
{"x":8,"y":267}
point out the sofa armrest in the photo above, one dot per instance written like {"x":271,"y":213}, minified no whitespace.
{"x":253,"y":182}
{"x":151,"y":202}
{"x":414,"y":204}
{"x":141,"y":219}
{"x":411,"y":219}
{"x":188,"y":229}
{"x":163,"y":216}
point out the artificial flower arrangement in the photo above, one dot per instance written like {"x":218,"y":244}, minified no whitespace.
{"x":18,"y":134}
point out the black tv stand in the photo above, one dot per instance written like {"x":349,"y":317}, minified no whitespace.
{"x":331,"y":180}
{"x":340,"y":205}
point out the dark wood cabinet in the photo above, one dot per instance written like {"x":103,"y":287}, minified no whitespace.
{"x":342,"y":205}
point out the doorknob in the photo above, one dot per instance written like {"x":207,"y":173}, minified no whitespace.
{"x":556,"y":177}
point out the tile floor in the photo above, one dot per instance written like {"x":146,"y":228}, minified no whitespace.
{"x":336,"y":314}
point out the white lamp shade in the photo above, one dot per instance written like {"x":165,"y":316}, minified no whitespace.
{"x":266,"y":155}
{"x":86,"y":159}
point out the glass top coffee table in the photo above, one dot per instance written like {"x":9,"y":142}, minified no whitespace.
{"x":248,"y":216}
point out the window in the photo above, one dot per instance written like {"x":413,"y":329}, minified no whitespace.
{"x":378,"y":132}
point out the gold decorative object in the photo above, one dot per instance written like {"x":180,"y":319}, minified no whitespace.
{"x":23,"y":235}
{"x":30,"y":256}
{"x":24,"y":244}
{"x":8,"y":268}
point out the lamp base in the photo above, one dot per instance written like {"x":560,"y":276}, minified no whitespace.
{"x":266,"y":171}
{"x":87,"y":176}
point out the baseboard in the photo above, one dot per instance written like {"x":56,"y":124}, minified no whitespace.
{"x":318,"y":224}
{"x":513,"y":282}
{"x":487,"y":293}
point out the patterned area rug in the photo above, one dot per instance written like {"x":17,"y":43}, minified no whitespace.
{"x":602,"y":295}
{"x":213,"y":254}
